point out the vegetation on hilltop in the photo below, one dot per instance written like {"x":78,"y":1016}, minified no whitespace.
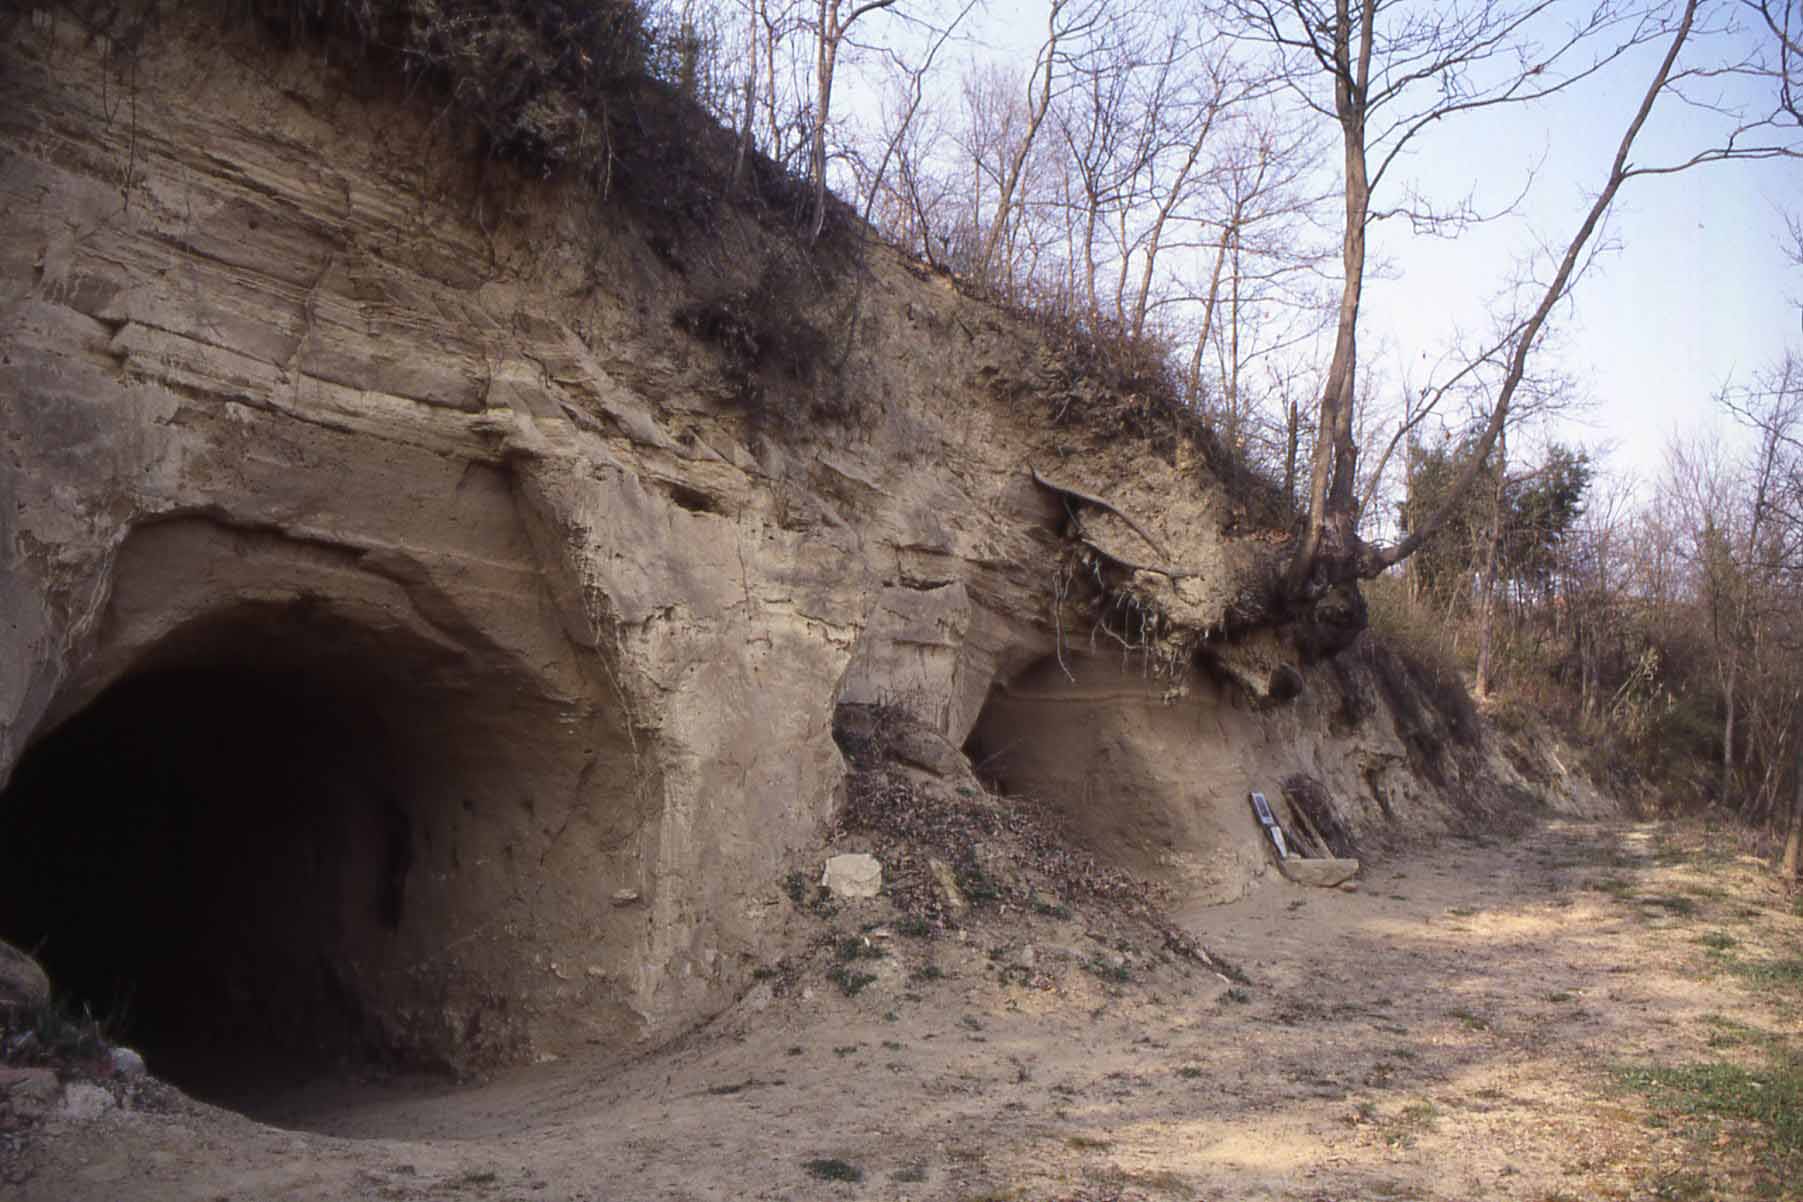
{"x":1668,"y":637}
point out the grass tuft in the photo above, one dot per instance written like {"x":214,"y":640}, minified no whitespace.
{"x":833,"y":1169}
{"x":56,"y":1033}
{"x":850,"y":981}
{"x":859,"y":947}
{"x":1683,"y":907}
{"x":1108,"y":970}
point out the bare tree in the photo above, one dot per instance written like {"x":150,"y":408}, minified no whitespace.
{"x":1181,"y":121}
{"x":1772,"y":560}
{"x":1394,"y":71}
{"x":913,"y":96}
{"x":1092,"y":128}
{"x":833,"y":24}
{"x":1068,"y":24}
{"x":1783,"y":23}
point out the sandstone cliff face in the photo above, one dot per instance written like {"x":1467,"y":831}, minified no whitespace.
{"x":495,"y":637}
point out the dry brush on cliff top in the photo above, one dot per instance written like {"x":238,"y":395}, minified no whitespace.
{"x":583,"y":88}
{"x":600,"y":91}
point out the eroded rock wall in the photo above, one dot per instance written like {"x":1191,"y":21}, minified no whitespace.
{"x":276,"y":354}
{"x":273,"y":346}
{"x":1154,"y":773}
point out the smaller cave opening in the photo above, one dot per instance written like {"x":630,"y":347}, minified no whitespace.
{"x":202,"y":856}
{"x":988,"y":750}
{"x":691,"y":499}
{"x":1148,"y":778}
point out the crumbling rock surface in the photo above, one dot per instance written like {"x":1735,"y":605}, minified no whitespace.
{"x":390,"y":577}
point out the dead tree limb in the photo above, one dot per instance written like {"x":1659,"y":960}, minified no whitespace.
{"x":1077,"y":494}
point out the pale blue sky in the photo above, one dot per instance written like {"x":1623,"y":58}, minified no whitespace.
{"x":1697,"y":291}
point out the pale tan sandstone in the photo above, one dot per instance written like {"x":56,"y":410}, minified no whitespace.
{"x":296,"y":396}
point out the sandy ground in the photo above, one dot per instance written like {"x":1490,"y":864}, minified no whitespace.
{"x":1452,"y":1030}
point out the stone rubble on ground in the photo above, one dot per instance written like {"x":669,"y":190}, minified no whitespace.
{"x":83,"y":1102}
{"x":946,"y":881}
{"x":1323,"y":874}
{"x":29,"y":1090}
{"x":853,"y":875}
{"x":125,"y":1062}
{"x":23,"y":985}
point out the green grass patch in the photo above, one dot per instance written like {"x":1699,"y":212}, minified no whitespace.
{"x":1704,"y":1096}
{"x":1785,"y":973}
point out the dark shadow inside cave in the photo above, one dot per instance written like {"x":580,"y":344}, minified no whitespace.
{"x":202,"y":852}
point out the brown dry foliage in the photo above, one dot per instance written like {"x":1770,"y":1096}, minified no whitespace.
{"x":1109,"y":385}
{"x":1002,"y":849}
{"x":581,"y":88}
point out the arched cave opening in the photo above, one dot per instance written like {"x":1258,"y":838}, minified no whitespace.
{"x":216,"y":851}
{"x":1150,"y":778}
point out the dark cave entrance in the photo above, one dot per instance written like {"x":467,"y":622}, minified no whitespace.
{"x":207,"y":852}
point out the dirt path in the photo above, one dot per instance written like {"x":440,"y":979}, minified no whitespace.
{"x":1468,"y":1025}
